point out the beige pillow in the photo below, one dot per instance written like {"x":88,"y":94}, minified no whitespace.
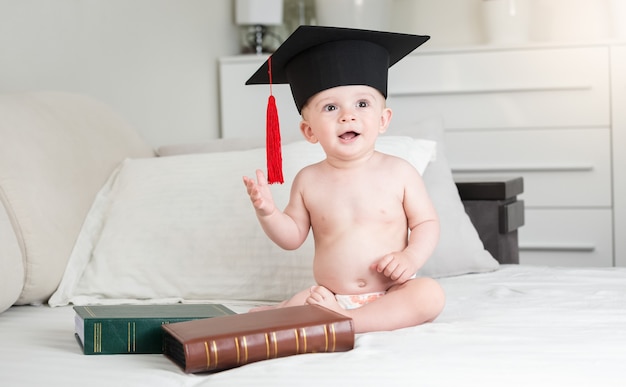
{"x":56,"y":152}
{"x":11,"y":265}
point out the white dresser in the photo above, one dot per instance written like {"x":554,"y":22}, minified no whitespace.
{"x":555,"y":115}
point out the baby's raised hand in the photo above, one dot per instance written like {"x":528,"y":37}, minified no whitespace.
{"x":397,"y":266}
{"x":260,"y":193}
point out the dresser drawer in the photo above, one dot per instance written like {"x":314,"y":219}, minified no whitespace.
{"x":493,"y":89}
{"x":569,"y":237}
{"x":244,"y":107}
{"x":561,"y":168}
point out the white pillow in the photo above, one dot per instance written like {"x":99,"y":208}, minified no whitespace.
{"x":182,"y":227}
{"x":460,"y":250}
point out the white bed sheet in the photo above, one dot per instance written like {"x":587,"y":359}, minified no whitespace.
{"x":518,"y":326}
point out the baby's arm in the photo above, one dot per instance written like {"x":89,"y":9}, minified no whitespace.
{"x":400,"y":266}
{"x":423,"y":224}
{"x":287,"y":229}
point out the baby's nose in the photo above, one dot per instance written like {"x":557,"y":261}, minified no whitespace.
{"x":348,"y":115}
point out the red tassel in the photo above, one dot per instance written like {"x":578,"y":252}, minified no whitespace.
{"x":272,"y":145}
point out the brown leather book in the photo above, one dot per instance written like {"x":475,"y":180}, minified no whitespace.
{"x":225,"y":342}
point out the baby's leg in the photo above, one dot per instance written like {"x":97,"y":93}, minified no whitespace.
{"x":415,"y":302}
{"x":297,"y":299}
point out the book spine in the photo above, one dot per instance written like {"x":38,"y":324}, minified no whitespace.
{"x":215,"y":354}
{"x":121,"y":336}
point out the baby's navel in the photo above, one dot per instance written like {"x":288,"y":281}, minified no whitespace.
{"x":361,"y":283}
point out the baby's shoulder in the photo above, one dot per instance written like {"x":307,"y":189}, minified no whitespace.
{"x":311,"y":168}
{"x":387,"y":160}
{"x":309,"y":172}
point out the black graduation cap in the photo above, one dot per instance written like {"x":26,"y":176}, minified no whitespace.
{"x":316,"y":58}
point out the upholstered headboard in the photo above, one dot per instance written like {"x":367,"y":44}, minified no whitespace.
{"x":56,"y":152}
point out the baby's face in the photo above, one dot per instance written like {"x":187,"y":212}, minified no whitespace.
{"x":339,"y":93}
{"x":345,"y":115}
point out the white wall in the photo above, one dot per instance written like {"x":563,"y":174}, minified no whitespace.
{"x":460,"y":22}
{"x":153,"y":61}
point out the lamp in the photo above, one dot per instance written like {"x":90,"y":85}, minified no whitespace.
{"x":259,"y":14}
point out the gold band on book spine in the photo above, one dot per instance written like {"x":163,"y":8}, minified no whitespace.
{"x":215,"y":351}
{"x":97,"y":337}
{"x":304,"y":339}
{"x":325,"y":338}
{"x":207,"y":351}
{"x":208,"y":355}
{"x":295,"y":332}
{"x":275,"y":344}
{"x":237,"y":351}
{"x":267,"y":346}
{"x":132,"y":337}
{"x":245,"y":350}
{"x":332,"y":330}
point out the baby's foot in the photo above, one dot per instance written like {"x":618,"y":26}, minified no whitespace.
{"x":324,"y":297}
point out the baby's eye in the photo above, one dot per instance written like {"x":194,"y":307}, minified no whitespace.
{"x":330,"y":108}
{"x":362,"y":104}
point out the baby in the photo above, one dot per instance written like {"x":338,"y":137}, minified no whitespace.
{"x":373,"y":223}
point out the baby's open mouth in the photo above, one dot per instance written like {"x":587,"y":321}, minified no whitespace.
{"x":348,"y":135}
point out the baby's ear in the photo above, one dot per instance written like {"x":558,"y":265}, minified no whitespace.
{"x":307,"y":132}
{"x":385,"y":119}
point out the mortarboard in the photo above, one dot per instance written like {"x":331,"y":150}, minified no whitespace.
{"x":316,"y":58}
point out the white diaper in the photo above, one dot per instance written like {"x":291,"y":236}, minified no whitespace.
{"x":353,"y":301}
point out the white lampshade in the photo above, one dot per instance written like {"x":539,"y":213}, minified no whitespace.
{"x":259,"y":12}
{"x":366,"y":14}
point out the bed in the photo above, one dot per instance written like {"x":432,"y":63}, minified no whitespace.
{"x":91,"y":215}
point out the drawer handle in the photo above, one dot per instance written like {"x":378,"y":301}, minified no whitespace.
{"x":585,"y":248}
{"x":523,"y":168}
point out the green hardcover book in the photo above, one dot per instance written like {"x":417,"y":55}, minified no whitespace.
{"x":120,"y":329}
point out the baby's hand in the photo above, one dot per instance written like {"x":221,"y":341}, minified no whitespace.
{"x":260,"y":194}
{"x":396,"y":266}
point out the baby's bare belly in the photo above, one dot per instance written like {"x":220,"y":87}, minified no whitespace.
{"x":346,"y":268}
{"x":349,"y":241}
{"x":352,"y":284}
